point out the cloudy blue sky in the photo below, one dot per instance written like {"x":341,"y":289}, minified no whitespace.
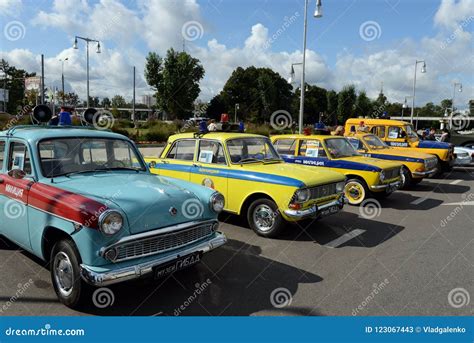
{"x":363,"y":42}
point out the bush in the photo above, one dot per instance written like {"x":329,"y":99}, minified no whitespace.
{"x":157,"y":135}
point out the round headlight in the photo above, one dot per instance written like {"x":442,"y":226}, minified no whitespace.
{"x":217,"y":202}
{"x":340,"y":186}
{"x":110,"y":222}
{"x":382,"y":176}
{"x":302,"y":195}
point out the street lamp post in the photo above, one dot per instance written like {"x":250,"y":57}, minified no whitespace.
{"x":459,"y":85}
{"x":423,"y":70}
{"x":236,"y":107}
{"x":317,"y":14}
{"x":405,"y":104}
{"x":62,"y":76}
{"x":87,"y":40}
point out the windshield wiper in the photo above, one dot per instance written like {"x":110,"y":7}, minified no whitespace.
{"x":250,"y":159}
{"x":123,"y":168}
{"x":83,"y":172}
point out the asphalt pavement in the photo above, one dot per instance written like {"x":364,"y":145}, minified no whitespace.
{"x":412,"y":256}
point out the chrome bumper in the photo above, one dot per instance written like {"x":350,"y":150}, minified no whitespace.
{"x":136,"y":271}
{"x":315,"y":210}
{"x":425,"y":173}
{"x":395,"y":184}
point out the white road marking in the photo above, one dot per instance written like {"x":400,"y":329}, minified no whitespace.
{"x":418,"y":201}
{"x":344,"y":238}
{"x":462,"y":203}
{"x":455,"y":182}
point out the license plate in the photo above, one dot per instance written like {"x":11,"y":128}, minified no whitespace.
{"x":178,"y":264}
{"x":330,"y":210}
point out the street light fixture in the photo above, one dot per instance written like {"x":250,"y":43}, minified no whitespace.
{"x":423,"y":70}
{"x":87,"y":40}
{"x":317,"y":14}
{"x":459,"y":85}
{"x":405,"y":104}
{"x":292,"y":72}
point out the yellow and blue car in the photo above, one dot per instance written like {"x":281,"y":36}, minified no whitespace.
{"x":415,"y":165}
{"x":253,"y":178}
{"x":366,"y":176}
{"x":401,"y":135}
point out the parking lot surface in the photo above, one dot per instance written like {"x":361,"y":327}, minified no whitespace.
{"x":412,"y":256}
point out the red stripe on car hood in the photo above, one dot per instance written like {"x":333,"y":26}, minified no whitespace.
{"x":68,"y":205}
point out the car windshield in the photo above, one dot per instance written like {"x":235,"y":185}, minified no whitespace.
{"x":411,"y":133}
{"x":374,"y":142}
{"x":65,"y":156}
{"x":252,"y":149}
{"x":340,"y":147}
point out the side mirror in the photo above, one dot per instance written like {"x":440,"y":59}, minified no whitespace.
{"x":17,"y":174}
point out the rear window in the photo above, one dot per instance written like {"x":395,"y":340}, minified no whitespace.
{"x":183,"y":150}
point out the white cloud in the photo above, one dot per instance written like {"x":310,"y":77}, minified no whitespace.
{"x":10,"y":7}
{"x":158,"y":24}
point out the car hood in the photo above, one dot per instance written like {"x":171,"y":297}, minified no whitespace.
{"x":371,"y":162}
{"x":408,"y":154}
{"x":433,"y":145}
{"x":145,"y":199}
{"x":289,"y":174}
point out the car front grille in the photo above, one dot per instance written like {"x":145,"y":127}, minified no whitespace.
{"x":392,"y":173}
{"x":323,"y":191}
{"x":159,"y":243}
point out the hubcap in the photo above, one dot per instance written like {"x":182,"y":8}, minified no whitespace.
{"x":264,"y":217}
{"x":63,"y":274}
{"x":354,"y":192}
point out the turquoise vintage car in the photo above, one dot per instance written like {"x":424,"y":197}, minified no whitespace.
{"x":84,"y":201}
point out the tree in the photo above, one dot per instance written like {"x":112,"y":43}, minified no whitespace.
{"x":258,"y":91}
{"x":346,"y":103}
{"x":216,"y":107}
{"x":315,"y":103}
{"x":363,"y":106}
{"x":71,"y":98}
{"x":332,"y":100}
{"x":94,"y":101}
{"x":176,"y":81}
{"x":14,"y":80}
{"x":446,"y":103}
{"x":118,"y":101}
{"x":105,"y":103}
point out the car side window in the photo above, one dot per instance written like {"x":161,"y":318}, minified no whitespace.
{"x":211,"y":152}
{"x":379,"y":131}
{"x":2,"y":154}
{"x":396,"y":132}
{"x":19,"y":158}
{"x":182,"y":150}
{"x":286,"y":146}
{"x":312,"y":148}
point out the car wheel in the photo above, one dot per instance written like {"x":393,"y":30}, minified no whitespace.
{"x":65,"y":275}
{"x":264,"y":218}
{"x":355,"y":191}
{"x":405,"y":176}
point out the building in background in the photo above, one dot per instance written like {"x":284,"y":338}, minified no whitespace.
{"x":148,"y":100}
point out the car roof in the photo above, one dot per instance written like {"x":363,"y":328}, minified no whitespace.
{"x":375,"y":121}
{"x":35,"y":133}
{"x":298,"y":136}
{"x":214,"y":135}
